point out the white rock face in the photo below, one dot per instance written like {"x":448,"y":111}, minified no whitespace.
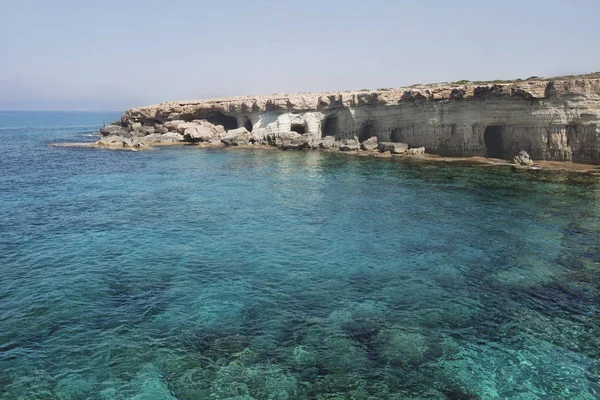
{"x":551,"y":119}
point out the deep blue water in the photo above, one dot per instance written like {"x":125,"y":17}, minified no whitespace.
{"x":186,"y":273}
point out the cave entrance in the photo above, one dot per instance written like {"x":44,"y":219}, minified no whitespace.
{"x":248,"y":125}
{"x":396,"y":135}
{"x":366,"y":132}
{"x":298,"y":128}
{"x":218,"y":118}
{"x":493,"y":139}
{"x":329,"y":127}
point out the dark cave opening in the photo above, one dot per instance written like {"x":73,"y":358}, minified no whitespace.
{"x":396,"y":135}
{"x":218,"y":118}
{"x":248,"y":125}
{"x":366,"y":132}
{"x":298,"y":128}
{"x":329,"y":126}
{"x":493,"y":139}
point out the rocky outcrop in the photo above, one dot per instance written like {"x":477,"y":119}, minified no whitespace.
{"x":550,"y":119}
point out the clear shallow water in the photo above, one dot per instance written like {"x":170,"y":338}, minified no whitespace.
{"x":185,"y":273}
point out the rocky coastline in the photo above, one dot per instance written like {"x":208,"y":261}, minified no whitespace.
{"x":555,"y":119}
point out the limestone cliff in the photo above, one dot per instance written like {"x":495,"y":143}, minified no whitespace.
{"x":551,"y":119}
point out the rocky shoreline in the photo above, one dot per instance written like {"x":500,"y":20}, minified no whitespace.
{"x":530,"y":121}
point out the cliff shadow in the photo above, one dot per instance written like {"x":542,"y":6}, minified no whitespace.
{"x":248,"y":125}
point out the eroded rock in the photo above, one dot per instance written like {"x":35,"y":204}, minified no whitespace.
{"x":370,"y":144}
{"x":328,"y":142}
{"x":113,"y":130}
{"x":237,"y":137}
{"x":522,"y":158}
{"x":393,"y":147}
{"x":349,"y":145}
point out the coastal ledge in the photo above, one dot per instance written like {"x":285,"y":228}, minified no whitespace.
{"x":556,"y":119}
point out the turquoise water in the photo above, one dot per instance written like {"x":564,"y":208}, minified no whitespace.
{"x":186,"y":273}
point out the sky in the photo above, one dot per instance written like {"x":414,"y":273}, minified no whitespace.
{"x":115,"y":54}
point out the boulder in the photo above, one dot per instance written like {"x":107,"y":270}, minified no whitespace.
{"x":289,"y":136}
{"x":416,"y":150}
{"x":278,"y":140}
{"x":294,"y":144}
{"x":238,"y":137}
{"x":173,"y":126}
{"x":328,"y":142}
{"x":392,"y":147}
{"x":202,"y":131}
{"x":216,"y":142}
{"x":136,"y":127}
{"x":522,"y":158}
{"x":369,"y":144}
{"x":349,"y":145}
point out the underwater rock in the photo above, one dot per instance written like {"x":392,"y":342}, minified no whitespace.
{"x":73,"y":388}
{"x":401,"y":347}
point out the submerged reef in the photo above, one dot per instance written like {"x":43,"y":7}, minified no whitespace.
{"x":550,"y":119}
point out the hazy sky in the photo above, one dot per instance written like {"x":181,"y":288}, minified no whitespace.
{"x":113,"y":54}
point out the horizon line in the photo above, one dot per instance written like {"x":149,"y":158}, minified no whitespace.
{"x":21,"y":110}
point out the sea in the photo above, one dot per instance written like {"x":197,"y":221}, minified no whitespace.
{"x":189,"y":273}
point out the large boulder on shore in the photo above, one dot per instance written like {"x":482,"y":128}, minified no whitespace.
{"x":392,"y":147}
{"x":294,"y":144}
{"x":416,"y":151}
{"x":328,"y":142}
{"x":522,"y":158}
{"x":349,"y":145}
{"x":236,"y":137}
{"x":201,"y":131}
{"x":370,"y":144}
